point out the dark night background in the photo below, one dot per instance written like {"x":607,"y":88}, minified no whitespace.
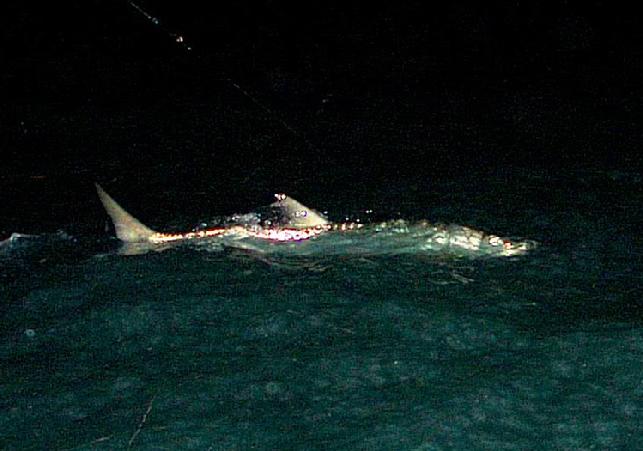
{"x":520,"y":119}
{"x":365,"y":101}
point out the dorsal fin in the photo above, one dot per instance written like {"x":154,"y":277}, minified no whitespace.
{"x":297,"y":215}
{"x":128,"y":228}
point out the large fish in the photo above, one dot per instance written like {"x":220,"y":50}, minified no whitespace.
{"x":294,"y":222}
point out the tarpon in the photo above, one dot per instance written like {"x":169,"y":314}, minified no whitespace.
{"x":294,"y":222}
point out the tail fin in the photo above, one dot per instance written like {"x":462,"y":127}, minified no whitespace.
{"x":128,"y":228}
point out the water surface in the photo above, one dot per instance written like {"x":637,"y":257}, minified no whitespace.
{"x":199,"y":348}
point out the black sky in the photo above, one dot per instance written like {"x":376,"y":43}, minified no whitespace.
{"x":516,"y":42}
{"x":346,"y":91}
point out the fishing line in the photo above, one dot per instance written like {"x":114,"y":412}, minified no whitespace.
{"x":180,"y":40}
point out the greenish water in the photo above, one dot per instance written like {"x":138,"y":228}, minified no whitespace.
{"x":200,"y":349}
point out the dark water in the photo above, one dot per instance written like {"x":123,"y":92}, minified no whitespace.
{"x":522,"y":120}
{"x":199,"y":349}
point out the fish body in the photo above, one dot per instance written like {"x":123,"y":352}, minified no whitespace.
{"x":296,"y":223}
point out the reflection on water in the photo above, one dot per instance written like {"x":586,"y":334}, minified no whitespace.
{"x":327,"y":343}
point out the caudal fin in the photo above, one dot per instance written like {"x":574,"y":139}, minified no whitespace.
{"x":128,"y":228}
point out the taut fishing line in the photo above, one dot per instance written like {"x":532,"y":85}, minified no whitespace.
{"x":180,"y":40}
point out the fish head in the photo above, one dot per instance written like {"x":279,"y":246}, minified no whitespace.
{"x":493,"y":244}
